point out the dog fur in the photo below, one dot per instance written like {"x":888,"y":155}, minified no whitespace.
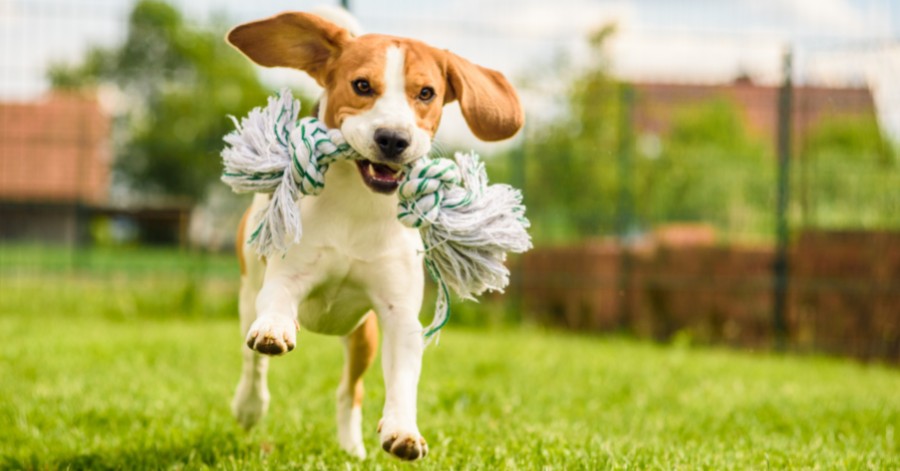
{"x":357,"y":266}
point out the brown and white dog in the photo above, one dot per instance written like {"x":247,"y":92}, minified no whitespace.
{"x":356,"y":262}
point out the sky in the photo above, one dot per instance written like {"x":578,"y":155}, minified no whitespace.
{"x":836,"y":42}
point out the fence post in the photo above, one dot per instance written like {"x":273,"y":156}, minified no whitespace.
{"x":780,"y":267}
{"x":517,"y":178}
{"x":625,"y":206}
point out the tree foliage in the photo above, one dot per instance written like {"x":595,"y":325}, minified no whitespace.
{"x":848,"y":175}
{"x":589,"y":172}
{"x":178,"y":83}
{"x":708,"y":168}
{"x":568,"y":164}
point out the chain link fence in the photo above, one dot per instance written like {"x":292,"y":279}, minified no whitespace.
{"x":683,"y":179}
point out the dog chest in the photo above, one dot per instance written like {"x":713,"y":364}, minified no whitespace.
{"x":334,"y":307}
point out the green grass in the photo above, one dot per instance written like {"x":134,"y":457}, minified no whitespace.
{"x":112,"y":261}
{"x":88,"y":393}
{"x":85,"y":384}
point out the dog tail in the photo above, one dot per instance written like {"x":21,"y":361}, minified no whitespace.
{"x":340,"y":17}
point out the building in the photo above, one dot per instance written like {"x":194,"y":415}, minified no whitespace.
{"x":657,"y":104}
{"x":54,"y":164}
{"x":55,"y":174}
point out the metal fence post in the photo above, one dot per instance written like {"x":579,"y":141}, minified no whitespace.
{"x":517,"y":176}
{"x":780,"y":267}
{"x":625,"y":202}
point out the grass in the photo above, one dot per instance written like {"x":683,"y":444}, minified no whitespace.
{"x":85,"y":387}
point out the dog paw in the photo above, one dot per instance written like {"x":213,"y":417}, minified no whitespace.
{"x":355,"y":449}
{"x":406,"y":444}
{"x":249,"y":404}
{"x":272,"y":335}
{"x":349,"y":428}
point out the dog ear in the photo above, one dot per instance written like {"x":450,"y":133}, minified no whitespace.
{"x":298,"y":40}
{"x":488,"y":102}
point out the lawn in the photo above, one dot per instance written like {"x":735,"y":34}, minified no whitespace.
{"x":147,"y":390}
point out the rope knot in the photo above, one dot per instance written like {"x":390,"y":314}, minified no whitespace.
{"x":313,"y":148}
{"x":423,"y":191}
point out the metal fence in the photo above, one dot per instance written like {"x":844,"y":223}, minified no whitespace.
{"x":697,"y":136}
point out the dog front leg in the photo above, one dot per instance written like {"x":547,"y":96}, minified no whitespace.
{"x":251,"y":398}
{"x":274,"y":331}
{"x":402,"y":363}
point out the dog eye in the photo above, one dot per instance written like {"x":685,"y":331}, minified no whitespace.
{"x":362,"y":87}
{"x":426,"y":94}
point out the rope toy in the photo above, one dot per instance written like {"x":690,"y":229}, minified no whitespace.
{"x":467,"y":226}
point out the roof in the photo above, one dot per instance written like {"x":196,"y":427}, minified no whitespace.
{"x":55,"y":150}
{"x":658,"y":103}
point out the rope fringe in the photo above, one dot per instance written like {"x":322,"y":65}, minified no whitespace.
{"x":467,"y":225}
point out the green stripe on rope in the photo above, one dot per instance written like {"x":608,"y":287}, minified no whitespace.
{"x":442,"y":310}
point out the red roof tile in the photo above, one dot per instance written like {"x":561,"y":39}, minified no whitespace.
{"x":56,"y":149}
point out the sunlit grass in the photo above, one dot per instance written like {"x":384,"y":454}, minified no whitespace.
{"x":94,"y":393}
{"x":110,"y":366}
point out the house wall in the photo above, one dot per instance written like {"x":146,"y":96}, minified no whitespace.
{"x":55,"y":150}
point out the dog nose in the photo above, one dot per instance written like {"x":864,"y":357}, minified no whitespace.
{"x":391,"y":143}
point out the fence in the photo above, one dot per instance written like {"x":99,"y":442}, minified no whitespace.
{"x":843,"y":291}
{"x":809,"y":265}
{"x":773,"y":159}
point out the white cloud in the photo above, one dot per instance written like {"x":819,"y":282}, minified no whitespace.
{"x":682,"y":57}
{"x":7,"y":10}
{"x":565,"y":18}
{"x":685,"y":40}
{"x":825,"y":17}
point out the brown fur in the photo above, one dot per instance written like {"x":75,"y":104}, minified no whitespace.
{"x":362,"y":345}
{"x":488,"y":102}
{"x":239,"y":242}
{"x":296,"y":40}
{"x":336,"y":59}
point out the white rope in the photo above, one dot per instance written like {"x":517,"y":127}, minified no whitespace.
{"x":467,"y":225}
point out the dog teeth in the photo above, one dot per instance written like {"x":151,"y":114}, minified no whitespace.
{"x":371,"y":171}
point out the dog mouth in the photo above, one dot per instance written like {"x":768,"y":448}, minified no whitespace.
{"x":380,"y":178}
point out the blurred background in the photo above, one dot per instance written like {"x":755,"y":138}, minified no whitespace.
{"x":694,"y":171}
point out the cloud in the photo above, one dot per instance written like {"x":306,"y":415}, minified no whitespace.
{"x":813,"y":17}
{"x":565,"y":18}
{"x":7,"y":10}
{"x":683,"y":57}
{"x":684,"y":40}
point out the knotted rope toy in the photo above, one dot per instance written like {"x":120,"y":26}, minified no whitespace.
{"x":467,"y":226}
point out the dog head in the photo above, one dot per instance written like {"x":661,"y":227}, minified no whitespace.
{"x":385,"y":94}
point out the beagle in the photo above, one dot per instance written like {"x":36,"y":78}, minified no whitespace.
{"x":357,"y":265}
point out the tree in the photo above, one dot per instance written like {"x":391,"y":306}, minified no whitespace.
{"x":705,"y":168}
{"x":848,"y":175}
{"x":179,"y":83}
{"x":570,"y":184}
{"x":709,"y":169}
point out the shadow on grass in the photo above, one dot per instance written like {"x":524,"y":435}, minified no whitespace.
{"x":212,"y":450}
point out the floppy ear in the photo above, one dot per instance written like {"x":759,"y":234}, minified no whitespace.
{"x":487,"y":100}
{"x":297,"y":40}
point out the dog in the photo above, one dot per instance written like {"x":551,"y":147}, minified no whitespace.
{"x":357,"y":266}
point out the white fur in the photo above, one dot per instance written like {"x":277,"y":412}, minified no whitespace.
{"x":251,"y":400}
{"x":354,"y":256}
{"x":340,"y":17}
{"x":391,"y":111}
{"x":349,"y":416}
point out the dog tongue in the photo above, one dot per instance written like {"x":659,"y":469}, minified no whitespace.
{"x":383,"y":171}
